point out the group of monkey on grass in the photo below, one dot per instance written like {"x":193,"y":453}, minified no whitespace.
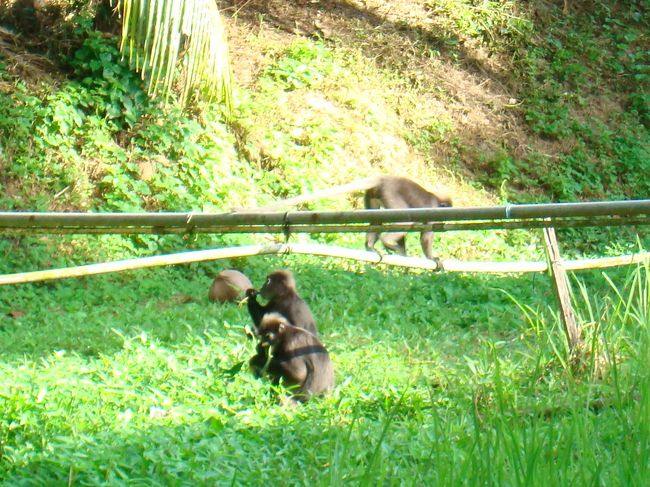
{"x":289,"y":349}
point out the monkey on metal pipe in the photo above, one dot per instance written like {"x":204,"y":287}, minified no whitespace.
{"x":393,"y":192}
{"x":297,"y":357}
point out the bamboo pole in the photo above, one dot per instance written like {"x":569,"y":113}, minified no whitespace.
{"x":358,"y":185}
{"x":310,"y":249}
{"x":215,"y":254}
{"x":603,"y":263}
{"x":191,"y":221}
{"x":342,"y":228}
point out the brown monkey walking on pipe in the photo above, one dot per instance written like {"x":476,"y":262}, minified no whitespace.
{"x":395,"y":193}
{"x":390,"y":192}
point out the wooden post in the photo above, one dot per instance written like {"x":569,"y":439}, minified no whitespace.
{"x":562,"y":290}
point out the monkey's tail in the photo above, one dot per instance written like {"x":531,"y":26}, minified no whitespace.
{"x":357,"y":185}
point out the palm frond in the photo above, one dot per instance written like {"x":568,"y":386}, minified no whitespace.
{"x":177,"y":40}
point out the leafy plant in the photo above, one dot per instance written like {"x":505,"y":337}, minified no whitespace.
{"x":113,"y":90}
{"x":496,"y":24}
{"x":304,"y":64}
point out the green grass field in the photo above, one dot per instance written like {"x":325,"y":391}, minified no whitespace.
{"x":136,"y":379}
{"x":442,"y":379}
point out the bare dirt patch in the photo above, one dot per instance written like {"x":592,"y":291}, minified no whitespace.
{"x":470,"y":97}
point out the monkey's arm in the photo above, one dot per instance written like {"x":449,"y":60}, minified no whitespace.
{"x":255,"y":309}
{"x":259,"y":361}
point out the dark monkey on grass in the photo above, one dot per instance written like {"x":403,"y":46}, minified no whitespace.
{"x":297,"y":357}
{"x":393,"y":192}
{"x":280,"y":290}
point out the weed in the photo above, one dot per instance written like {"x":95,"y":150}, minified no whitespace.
{"x":304,"y":64}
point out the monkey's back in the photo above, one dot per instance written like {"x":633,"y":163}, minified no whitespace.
{"x":228,"y":286}
{"x":398,"y":192}
{"x":323,"y":381}
{"x":304,"y":363}
{"x":395,"y":192}
{"x":297,"y":312}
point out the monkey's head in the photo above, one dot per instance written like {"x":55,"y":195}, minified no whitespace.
{"x":444,"y":200}
{"x":278,"y":284}
{"x":272,"y":328}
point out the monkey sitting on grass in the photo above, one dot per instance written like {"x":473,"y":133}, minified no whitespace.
{"x":282,"y":294}
{"x":295,"y":356}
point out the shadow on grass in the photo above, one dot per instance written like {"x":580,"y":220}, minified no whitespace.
{"x":315,"y":446}
{"x":345,"y":18}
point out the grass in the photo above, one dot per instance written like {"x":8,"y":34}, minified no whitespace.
{"x":442,"y":380}
{"x":135,"y":379}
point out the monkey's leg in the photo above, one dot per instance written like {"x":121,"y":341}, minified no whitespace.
{"x":395,"y":242}
{"x":371,"y":240}
{"x":300,"y":379}
{"x":371,"y":203}
{"x":426,"y":239}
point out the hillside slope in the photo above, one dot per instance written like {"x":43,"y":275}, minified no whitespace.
{"x":487,"y":101}
{"x":490,"y":92}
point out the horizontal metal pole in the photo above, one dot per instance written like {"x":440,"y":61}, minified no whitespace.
{"x":314,"y":249}
{"x":190,"y":221}
{"x":341,"y":228}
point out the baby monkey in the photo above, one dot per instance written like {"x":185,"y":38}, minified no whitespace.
{"x":296,"y":355}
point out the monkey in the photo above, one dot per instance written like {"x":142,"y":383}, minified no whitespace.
{"x":280,"y":290}
{"x":296,"y":355}
{"x":393,"y":192}
{"x":228,"y":286}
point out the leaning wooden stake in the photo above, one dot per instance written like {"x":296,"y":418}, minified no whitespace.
{"x":357,"y":185}
{"x":562,"y":290}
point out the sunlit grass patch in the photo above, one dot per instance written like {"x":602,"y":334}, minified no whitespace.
{"x":439,"y":379}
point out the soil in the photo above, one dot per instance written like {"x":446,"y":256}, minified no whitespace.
{"x":473,"y":92}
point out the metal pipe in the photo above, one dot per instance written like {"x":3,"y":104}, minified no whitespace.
{"x":341,"y":228}
{"x":188,"y":221}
